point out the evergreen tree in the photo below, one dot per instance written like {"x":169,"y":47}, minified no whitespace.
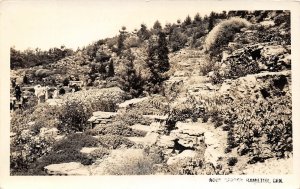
{"x":163,"y":52}
{"x":111,"y":69}
{"x":187,"y":21}
{"x":197,"y":18}
{"x":158,"y":62}
{"x":157,"y":25}
{"x":121,"y":39}
{"x":143,"y":33}
{"x":129,"y":80}
{"x":211,"y":21}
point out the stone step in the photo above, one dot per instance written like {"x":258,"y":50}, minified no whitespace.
{"x":153,"y":127}
{"x":68,"y":169}
{"x":149,"y":140}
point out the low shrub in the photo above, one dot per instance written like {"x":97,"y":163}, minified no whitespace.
{"x":99,"y":153}
{"x":155,"y":105}
{"x":117,"y":128}
{"x":155,"y":154}
{"x":64,"y":151}
{"x":133,"y":116}
{"x":189,"y":109}
{"x":114,"y":141}
{"x":189,"y":166}
{"x":42,"y":73}
{"x":25,"y":150}
{"x":75,"y":141}
{"x":131,"y":165}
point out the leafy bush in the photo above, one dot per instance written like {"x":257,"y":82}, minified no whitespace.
{"x":74,"y":116}
{"x":102,"y":56}
{"x":25,"y":150}
{"x":223,"y":33}
{"x":45,"y":116}
{"x":191,"y":166}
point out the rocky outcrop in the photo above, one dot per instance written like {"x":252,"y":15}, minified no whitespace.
{"x":101,"y":118}
{"x":256,"y":58}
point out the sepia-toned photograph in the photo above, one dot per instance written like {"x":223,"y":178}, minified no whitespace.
{"x":149,"y":88}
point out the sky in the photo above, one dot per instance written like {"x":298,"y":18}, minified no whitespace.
{"x":49,"y":23}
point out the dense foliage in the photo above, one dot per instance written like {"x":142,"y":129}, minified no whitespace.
{"x":37,"y":57}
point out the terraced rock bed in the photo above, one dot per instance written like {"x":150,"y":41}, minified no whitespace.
{"x":218,"y":109}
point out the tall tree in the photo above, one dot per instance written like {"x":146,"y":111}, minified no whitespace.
{"x":121,"y":39}
{"x":187,"y":21}
{"x":163,"y":52}
{"x":129,"y":80}
{"x":158,"y":62}
{"x":197,"y":18}
{"x":211,"y":21}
